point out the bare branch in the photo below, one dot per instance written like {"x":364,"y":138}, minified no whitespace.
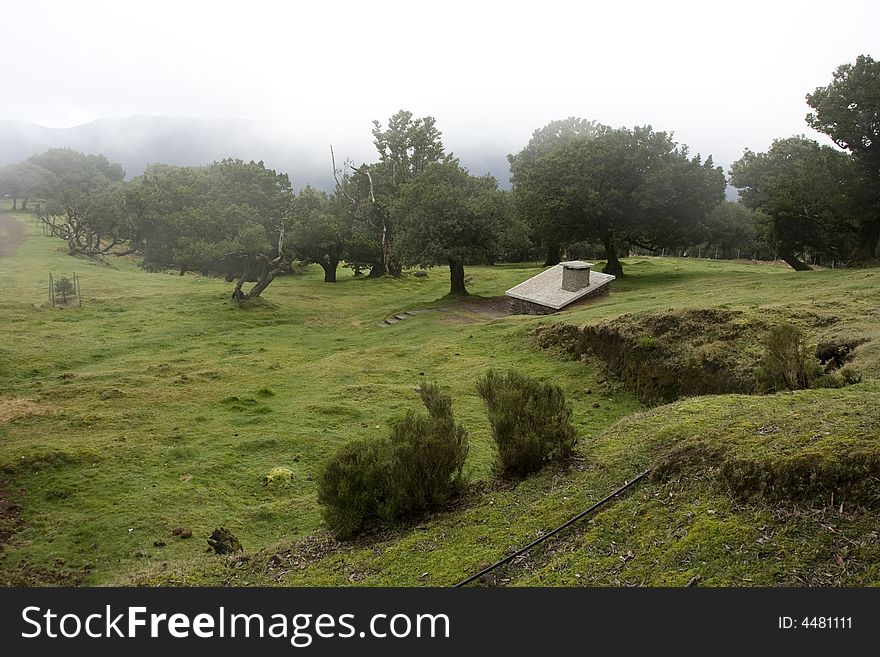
{"x":339,"y":185}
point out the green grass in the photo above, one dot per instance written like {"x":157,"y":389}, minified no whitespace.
{"x":160,"y":404}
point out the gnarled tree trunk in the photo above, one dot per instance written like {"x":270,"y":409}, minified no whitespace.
{"x":613,"y":265}
{"x":329,"y":266}
{"x":794,"y":262}
{"x":553,"y":255}
{"x":267,"y":276}
{"x":865,"y":254}
{"x":456,"y":277}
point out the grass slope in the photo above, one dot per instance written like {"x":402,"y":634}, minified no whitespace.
{"x":160,"y":404}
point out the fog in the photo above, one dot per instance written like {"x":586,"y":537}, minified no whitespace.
{"x":281,"y":81}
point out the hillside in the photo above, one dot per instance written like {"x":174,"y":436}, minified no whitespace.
{"x":137,"y":141}
{"x":159,"y":405}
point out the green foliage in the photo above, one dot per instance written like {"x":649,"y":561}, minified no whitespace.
{"x":810,"y":195}
{"x":406,"y":148}
{"x":353,"y":485}
{"x":850,"y":375}
{"x":848,"y":111}
{"x":447,"y":216}
{"x":428,"y":454}
{"x":617,"y":186}
{"x":82,"y":200}
{"x":321,"y":230}
{"x":64,"y":288}
{"x":385,"y":480}
{"x":787,"y":363}
{"x":24,"y":180}
{"x":226,"y":219}
{"x":531,"y":422}
{"x":734,"y":230}
{"x":528,"y":197}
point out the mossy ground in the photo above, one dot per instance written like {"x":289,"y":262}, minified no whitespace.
{"x":160,"y":404}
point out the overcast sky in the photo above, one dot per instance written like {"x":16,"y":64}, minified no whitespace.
{"x":721,"y":75}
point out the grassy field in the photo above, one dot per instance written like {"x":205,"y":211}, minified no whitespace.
{"x":160,"y":404}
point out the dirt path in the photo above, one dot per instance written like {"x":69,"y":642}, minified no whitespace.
{"x":11,"y":234}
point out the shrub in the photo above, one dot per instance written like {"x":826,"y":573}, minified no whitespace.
{"x":353,"y":485}
{"x":384,"y":481}
{"x":531,"y":422}
{"x":787,"y":365}
{"x":850,"y":375}
{"x":428,"y":454}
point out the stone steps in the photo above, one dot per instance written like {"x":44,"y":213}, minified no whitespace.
{"x":397,"y":317}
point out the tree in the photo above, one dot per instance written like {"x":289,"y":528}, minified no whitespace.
{"x":447,"y":216}
{"x":229,"y":218}
{"x":24,"y":181}
{"x":64,"y":287}
{"x":675,"y":200}
{"x":732,"y":229}
{"x":522,"y":167}
{"x":848,"y":111}
{"x":515,"y":243}
{"x":406,"y":147}
{"x":156,"y":202}
{"x":319,"y":230}
{"x":809,"y":194}
{"x":82,"y":200}
{"x":622,"y":187}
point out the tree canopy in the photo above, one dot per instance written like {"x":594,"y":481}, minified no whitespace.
{"x":23,"y":180}
{"x":522,"y":167}
{"x":810,"y":194}
{"x":81,"y":200}
{"x":321,"y":230}
{"x":228,"y":218}
{"x":447,"y":216}
{"x":406,"y":147}
{"x":619,"y":186}
{"x":848,"y":111}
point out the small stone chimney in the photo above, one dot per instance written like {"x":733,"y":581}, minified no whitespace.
{"x":575,"y":275}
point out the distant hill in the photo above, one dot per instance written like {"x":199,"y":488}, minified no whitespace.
{"x":137,"y":141}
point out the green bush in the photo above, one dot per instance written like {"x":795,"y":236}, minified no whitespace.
{"x":850,"y":375}
{"x":353,"y":485}
{"x":381,"y":481}
{"x":428,"y":454}
{"x":531,"y":422}
{"x":787,"y":364}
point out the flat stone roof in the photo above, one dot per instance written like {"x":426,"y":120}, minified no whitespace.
{"x":577,"y":264}
{"x":546,"y":288}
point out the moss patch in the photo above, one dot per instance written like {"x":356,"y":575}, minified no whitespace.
{"x":663,"y":356}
